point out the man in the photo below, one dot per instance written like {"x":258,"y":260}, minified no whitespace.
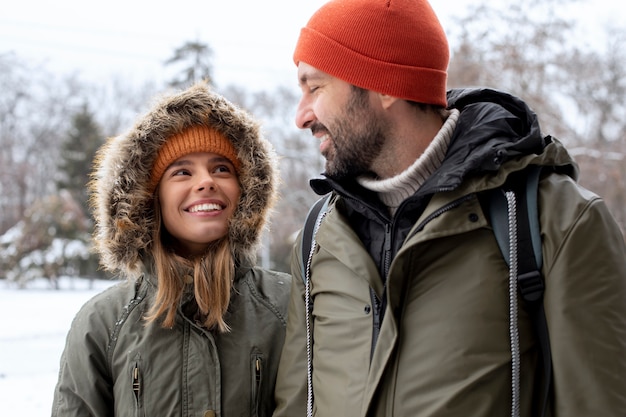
{"x":411,"y":313}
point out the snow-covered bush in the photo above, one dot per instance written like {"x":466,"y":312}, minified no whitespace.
{"x":52,"y":240}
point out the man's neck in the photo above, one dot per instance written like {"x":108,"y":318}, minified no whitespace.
{"x":394,"y":190}
{"x":411,"y":133}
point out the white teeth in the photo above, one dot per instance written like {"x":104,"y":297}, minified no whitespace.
{"x":205,"y":207}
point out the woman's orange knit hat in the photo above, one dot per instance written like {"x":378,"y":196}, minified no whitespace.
{"x":197,"y":138}
{"x":394,"y":47}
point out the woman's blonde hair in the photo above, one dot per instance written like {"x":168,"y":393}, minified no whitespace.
{"x":213,"y":274}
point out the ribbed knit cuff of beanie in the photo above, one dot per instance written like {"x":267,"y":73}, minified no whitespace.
{"x":197,"y":138}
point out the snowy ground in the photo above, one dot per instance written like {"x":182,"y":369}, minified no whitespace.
{"x":33,"y":326}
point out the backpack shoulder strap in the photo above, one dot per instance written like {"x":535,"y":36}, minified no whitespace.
{"x":308,"y":232}
{"x":525,"y":185}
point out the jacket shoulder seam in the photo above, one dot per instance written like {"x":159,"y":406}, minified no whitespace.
{"x":267,"y":303}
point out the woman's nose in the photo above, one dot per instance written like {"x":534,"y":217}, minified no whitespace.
{"x":206,"y":182}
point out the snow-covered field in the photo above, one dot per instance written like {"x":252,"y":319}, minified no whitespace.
{"x":33,"y":326}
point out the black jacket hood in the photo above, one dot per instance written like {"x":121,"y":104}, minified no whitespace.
{"x":494,"y":127}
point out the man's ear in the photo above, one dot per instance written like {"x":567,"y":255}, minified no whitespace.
{"x":386,"y":101}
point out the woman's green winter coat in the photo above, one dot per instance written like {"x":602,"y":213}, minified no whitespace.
{"x":117,"y":364}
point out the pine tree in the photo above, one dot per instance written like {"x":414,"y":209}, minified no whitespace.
{"x":83,"y":139}
{"x":194,"y":60}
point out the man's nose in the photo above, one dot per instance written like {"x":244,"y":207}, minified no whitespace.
{"x":304,"y":113}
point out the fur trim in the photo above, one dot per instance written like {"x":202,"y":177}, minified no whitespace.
{"x":120,"y":192}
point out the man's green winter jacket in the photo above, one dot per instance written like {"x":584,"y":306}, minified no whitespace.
{"x":443,"y":346}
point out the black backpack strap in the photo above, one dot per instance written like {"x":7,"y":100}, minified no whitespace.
{"x":530,"y":281}
{"x":308,"y":233}
{"x":525,"y":184}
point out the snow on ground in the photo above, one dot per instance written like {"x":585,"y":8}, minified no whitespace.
{"x":33,"y":326}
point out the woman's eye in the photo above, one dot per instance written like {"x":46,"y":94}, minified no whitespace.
{"x":180,"y":172}
{"x":223,"y":169}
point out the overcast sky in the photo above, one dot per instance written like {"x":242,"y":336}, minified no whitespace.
{"x":252,"y":40}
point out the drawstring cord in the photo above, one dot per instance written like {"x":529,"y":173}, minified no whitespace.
{"x":309,"y":311}
{"x":513,"y":322}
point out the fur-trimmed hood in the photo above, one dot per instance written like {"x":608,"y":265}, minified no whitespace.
{"x":122,"y":202}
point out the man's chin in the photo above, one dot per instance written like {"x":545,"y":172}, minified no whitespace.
{"x":332,"y":173}
{"x":336,"y":174}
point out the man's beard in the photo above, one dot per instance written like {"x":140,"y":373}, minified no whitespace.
{"x":357,"y":138}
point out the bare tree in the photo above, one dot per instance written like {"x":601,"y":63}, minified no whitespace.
{"x":578,"y":94}
{"x":518,"y":47}
{"x":13,"y":76}
{"x":118,"y":102}
{"x":597,"y":86}
{"x":33,"y":117}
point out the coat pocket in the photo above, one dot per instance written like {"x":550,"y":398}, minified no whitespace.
{"x":137,"y":387}
{"x":257,"y":384}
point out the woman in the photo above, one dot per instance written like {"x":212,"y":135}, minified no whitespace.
{"x":196,"y":329}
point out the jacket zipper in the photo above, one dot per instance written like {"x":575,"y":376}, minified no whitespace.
{"x":453,"y":204}
{"x":380,"y":303}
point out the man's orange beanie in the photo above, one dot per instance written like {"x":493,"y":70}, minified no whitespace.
{"x":394,"y":47}
{"x":197,"y":138}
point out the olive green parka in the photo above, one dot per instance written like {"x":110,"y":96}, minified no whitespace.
{"x":440,"y":344}
{"x":115,"y":363}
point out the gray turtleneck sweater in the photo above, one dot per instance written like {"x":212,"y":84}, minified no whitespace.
{"x":393,"y":191}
